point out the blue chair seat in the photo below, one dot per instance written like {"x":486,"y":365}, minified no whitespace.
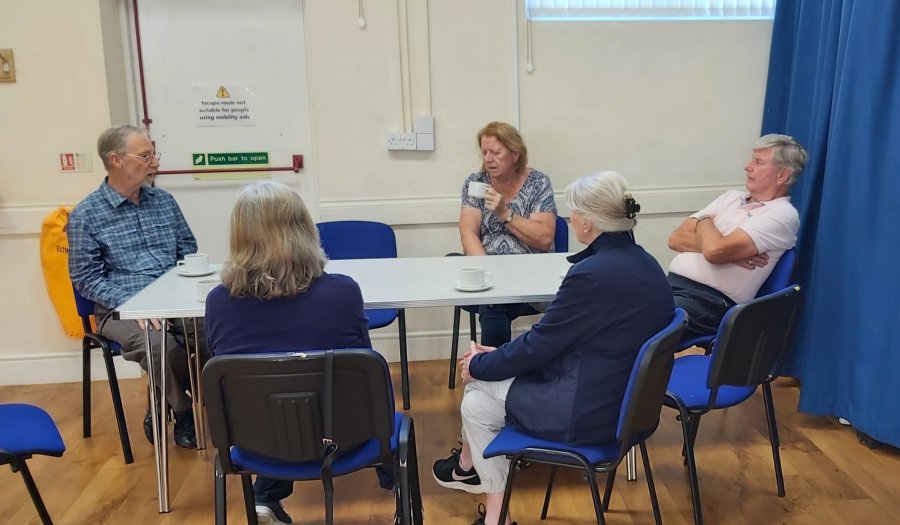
{"x":381,"y":317}
{"x":28,"y":430}
{"x":511,"y":440}
{"x":694,"y":393}
{"x":350,"y":461}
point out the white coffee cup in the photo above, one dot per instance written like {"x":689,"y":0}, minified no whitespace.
{"x":473,"y":277}
{"x":477,"y":189}
{"x":204,"y":286}
{"x":194,"y":263}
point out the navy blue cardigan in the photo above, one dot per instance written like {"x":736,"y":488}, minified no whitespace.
{"x":572,"y":367}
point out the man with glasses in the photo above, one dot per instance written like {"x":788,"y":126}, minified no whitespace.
{"x":728,"y":249}
{"x":121,"y":238}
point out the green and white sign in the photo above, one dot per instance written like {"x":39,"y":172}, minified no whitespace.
{"x":229,"y":159}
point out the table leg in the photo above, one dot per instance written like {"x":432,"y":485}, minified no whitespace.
{"x":159,"y":451}
{"x":197,"y":392}
{"x":631,"y":465}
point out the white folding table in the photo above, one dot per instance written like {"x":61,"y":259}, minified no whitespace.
{"x":412,"y":282}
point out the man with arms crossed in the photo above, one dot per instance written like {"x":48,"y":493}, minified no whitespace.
{"x":729,"y":248}
{"x":121,"y":238}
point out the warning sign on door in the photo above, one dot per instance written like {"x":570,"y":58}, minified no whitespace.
{"x":223,"y":105}
{"x":75,"y":162}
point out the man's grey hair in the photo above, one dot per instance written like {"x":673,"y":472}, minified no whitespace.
{"x":787,"y":153}
{"x":600,"y":199}
{"x":113,"y":141}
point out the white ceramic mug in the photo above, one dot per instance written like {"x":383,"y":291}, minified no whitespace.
{"x":477,"y":189}
{"x":204,"y":286}
{"x":194,"y":263}
{"x":473,"y":277}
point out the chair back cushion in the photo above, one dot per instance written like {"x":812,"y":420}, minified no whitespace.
{"x":357,"y":240}
{"x":84,"y":306}
{"x":271,"y":404}
{"x":561,"y":237}
{"x":780,"y":278}
{"x":646,"y":388}
{"x":753,"y":338}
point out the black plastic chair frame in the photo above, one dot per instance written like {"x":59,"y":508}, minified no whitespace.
{"x":658,"y":366}
{"x":227,"y":433}
{"x":749,"y":369}
{"x":89,"y":342}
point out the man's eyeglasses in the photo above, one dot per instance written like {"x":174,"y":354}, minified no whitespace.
{"x":147,"y":157}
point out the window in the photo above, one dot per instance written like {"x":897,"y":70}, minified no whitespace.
{"x":649,"y":9}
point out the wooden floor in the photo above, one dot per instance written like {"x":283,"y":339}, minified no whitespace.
{"x":831,"y":478}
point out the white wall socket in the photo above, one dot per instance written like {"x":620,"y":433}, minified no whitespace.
{"x":401,"y":141}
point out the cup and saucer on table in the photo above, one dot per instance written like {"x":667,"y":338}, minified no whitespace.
{"x":474,"y":279}
{"x":194,"y":265}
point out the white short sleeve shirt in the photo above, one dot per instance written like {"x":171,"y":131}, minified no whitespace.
{"x":772,"y":225}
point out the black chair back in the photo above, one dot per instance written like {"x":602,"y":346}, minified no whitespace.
{"x":272,"y":404}
{"x":646,"y":388}
{"x":753,"y":338}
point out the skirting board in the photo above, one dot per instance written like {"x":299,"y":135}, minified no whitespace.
{"x":36,"y":369}
{"x":33,"y":369}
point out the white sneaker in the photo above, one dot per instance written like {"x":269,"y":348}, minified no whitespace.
{"x":843,"y":422}
{"x":272,"y":514}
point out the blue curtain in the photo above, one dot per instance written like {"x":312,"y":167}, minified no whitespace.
{"x":834,"y":84}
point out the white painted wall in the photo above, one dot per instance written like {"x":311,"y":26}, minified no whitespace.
{"x":674,"y":106}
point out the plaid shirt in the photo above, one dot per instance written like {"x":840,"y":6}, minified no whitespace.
{"x":116,"y":247}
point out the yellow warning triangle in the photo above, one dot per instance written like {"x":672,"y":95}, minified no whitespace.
{"x":222,"y":93}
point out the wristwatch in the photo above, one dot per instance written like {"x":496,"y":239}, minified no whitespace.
{"x":509,"y":217}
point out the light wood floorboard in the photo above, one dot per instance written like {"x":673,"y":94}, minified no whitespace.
{"x":830,"y":477}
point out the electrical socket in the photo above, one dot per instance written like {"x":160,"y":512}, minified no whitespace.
{"x":401,"y":141}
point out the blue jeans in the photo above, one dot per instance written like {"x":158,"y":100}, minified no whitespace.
{"x":705,"y":306}
{"x":495,"y":321}
{"x":268,"y":490}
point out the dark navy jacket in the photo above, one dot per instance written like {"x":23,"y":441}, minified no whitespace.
{"x":571,"y":368}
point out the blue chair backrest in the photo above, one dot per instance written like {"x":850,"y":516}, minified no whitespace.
{"x":357,"y":240}
{"x":84,"y":306}
{"x":561,"y":237}
{"x":753,"y":338}
{"x":780,"y":278}
{"x":646,"y":388}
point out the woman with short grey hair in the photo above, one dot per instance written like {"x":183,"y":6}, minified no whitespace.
{"x":565,"y":378}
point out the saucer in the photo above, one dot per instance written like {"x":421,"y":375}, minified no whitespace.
{"x":480,"y":288}
{"x":186,"y":273}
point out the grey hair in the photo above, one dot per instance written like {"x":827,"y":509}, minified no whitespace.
{"x":113,"y":141}
{"x":787,"y":153}
{"x":600,"y":198}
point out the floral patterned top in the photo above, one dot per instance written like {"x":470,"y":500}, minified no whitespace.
{"x":535,"y":196}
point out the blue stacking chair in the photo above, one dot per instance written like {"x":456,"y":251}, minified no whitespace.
{"x":638,"y":419}
{"x":779,"y":279}
{"x":308,"y":415}
{"x":560,"y":245}
{"x":26,"y":430}
{"x":369,"y":240}
{"x":748,"y":350}
{"x":108,"y":349}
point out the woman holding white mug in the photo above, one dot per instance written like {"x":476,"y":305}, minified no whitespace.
{"x":507,"y":208}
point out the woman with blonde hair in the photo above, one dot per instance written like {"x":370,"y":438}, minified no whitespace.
{"x":512,"y":211}
{"x":276,"y":297}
